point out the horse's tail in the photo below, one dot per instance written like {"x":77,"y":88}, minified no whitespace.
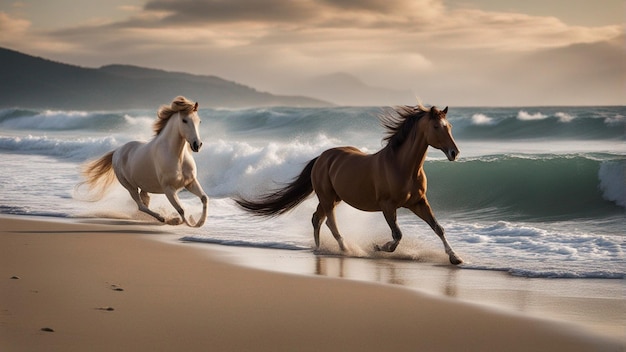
{"x":284,"y":199}
{"x":99,"y":174}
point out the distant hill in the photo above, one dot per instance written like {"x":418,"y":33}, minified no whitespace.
{"x":34,"y":82}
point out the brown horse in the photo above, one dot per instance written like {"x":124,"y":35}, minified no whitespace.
{"x":390,"y":179}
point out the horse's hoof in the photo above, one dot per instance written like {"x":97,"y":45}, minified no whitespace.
{"x":456,"y":260}
{"x":383,"y":248}
{"x":174,"y":221}
{"x":387,"y":247}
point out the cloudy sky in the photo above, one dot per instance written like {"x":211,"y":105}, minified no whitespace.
{"x":452,"y":52}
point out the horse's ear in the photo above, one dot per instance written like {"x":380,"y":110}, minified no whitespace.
{"x":433,"y":111}
{"x":195,"y":107}
{"x":445,"y":111}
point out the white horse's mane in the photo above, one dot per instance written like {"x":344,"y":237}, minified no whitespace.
{"x":180,"y":103}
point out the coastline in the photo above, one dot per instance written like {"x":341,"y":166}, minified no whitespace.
{"x":164,"y":297}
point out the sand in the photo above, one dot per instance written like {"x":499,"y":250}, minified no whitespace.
{"x":97,"y":287}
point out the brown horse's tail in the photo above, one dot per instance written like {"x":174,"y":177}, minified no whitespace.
{"x":284,"y":199}
{"x":99,"y":175}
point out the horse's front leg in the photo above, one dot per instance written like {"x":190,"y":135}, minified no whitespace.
{"x":172,"y":195}
{"x":423,"y":210}
{"x":396,"y":234}
{"x":195,"y":188}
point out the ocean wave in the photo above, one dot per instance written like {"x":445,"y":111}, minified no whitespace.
{"x":523,"y":187}
{"x":540,"y":187}
{"x":556,"y":251}
{"x":350,"y":124}
{"x":249,"y":151}
{"x":506,"y":124}
{"x":537,"y":186}
{"x":552,"y":273}
{"x":60,"y":120}
{"x":78,"y":149}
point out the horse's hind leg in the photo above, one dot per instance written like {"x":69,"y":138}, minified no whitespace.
{"x":318,"y":217}
{"x":332,"y":225}
{"x":145,"y":198}
{"x":396,"y":234}
{"x":140,"y":198}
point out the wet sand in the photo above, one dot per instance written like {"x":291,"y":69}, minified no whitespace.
{"x":595,"y":304}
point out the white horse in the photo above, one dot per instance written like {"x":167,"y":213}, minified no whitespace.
{"x":164,"y":165}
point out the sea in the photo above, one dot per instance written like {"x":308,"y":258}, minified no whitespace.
{"x":537,"y":192}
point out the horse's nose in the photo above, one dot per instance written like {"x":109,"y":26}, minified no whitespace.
{"x":452,"y":154}
{"x":196,"y":146}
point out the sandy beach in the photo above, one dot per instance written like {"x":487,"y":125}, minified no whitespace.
{"x":67,"y":285}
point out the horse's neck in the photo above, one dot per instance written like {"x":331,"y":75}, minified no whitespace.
{"x":410,"y":156}
{"x":170,"y":137}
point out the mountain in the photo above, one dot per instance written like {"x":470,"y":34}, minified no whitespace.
{"x":345,"y":89}
{"x":34,"y":82}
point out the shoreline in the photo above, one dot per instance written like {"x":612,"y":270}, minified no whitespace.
{"x":189,"y":298}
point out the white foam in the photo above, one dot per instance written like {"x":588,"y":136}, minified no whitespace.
{"x":564,"y":117}
{"x":232,"y":167}
{"x":615,"y":120}
{"x":482,"y":119}
{"x":525,"y":116}
{"x":613,"y":181}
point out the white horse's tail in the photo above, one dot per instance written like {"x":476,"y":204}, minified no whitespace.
{"x":99,"y":175}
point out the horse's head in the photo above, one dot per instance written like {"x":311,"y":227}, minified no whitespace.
{"x":439,"y":133}
{"x":188,"y":127}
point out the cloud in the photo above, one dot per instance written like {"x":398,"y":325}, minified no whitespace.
{"x":12,"y":28}
{"x":223,"y":11}
{"x":305,"y":12}
{"x":391,"y":28}
{"x":409,"y":44}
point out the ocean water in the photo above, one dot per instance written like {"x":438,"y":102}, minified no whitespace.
{"x":536,"y":192}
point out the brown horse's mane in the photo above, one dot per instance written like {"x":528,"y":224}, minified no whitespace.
{"x":399,"y":122}
{"x":165,"y":112}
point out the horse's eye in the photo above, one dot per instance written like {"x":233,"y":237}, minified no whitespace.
{"x":184,"y":120}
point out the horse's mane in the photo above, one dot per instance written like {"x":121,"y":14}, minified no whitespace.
{"x":180,"y":103}
{"x":399,"y":122}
